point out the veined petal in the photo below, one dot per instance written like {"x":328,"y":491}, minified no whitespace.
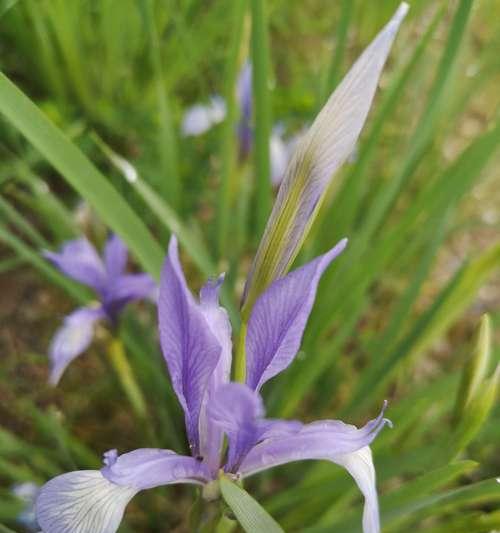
{"x":93,"y":501}
{"x":327,"y":439}
{"x":211,"y":436}
{"x":147,"y":468}
{"x":360,"y":465}
{"x":326,"y":146}
{"x":79,"y":260}
{"x":190,"y":348}
{"x":200,"y":118}
{"x":82,"y":502}
{"x":279,"y":317}
{"x":237,"y":410}
{"x":330,"y":440}
{"x":115,"y":256}
{"x":72,"y":339}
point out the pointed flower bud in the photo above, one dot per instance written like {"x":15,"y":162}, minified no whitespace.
{"x":326,"y":146}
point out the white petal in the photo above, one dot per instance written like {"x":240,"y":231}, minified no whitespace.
{"x":360,"y":465}
{"x":82,"y":502}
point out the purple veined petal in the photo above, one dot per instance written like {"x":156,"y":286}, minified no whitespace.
{"x":279,"y":317}
{"x":72,"y":339}
{"x":147,"y":468}
{"x":360,"y":465}
{"x":325,"y":440}
{"x":328,"y":143}
{"x":93,"y":501}
{"x":200,"y":118}
{"x":79,"y":260}
{"x":237,"y":410}
{"x":190,"y":348}
{"x":82,"y":502}
{"x":211,"y":436}
{"x":115,"y":256}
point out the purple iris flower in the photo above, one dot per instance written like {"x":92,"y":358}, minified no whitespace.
{"x":196,"y":343}
{"x":79,"y":260}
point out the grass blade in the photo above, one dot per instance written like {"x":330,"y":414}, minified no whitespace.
{"x":80,"y":173}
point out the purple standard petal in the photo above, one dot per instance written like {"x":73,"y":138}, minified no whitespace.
{"x":115,"y":256}
{"x":93,"y":501}
{"x":237,"y":410}
{"x":190,"y":348}
{"x":279,"y":317}
{"x":328,"y":143}
{"x":72,"y":339}
{"x":79,"y":260}
{"x":211,"y":436}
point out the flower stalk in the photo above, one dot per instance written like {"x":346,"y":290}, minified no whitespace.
{"x":240,"y":362}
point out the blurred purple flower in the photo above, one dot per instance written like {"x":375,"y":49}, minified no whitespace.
{"x":196,"y":342}
{"x":202,"y":117}
{"x":79,"y":260}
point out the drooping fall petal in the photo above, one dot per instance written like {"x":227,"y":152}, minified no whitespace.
{"x":72,"y":339}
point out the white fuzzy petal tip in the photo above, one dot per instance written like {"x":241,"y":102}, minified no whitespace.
{"x":400,"y":13}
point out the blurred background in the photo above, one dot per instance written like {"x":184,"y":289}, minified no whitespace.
{"x":396,"y":317}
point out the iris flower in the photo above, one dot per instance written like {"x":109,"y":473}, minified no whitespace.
{"x":196,"y":343}
{"x":202,"y":117}
{"x":79,"y":260}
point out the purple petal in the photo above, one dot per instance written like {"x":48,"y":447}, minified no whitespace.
{"x":200,"y":118}
{"x":279,"y":317}
{"x":128,"y":288}
{"x":72,"y":339}
{"x":329,"y":440}
{"x":115,"y":256}
{"x":190,"y":348}
{"x":82,"y":502}
{"x":93,"y":501}
{"x":79,"y":260}
{"x":147,"y":468}
{"x":237,"y":410}
{"x":326,"y":440}
{"x":329,"y":142}
{"x":211,"y":436}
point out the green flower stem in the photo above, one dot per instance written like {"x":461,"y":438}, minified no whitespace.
{"x":240,"y":360}
{"x":116,"y":355}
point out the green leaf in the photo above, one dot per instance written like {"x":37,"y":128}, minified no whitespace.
{"x":80,"y":173}
{"x":252,"y":517}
